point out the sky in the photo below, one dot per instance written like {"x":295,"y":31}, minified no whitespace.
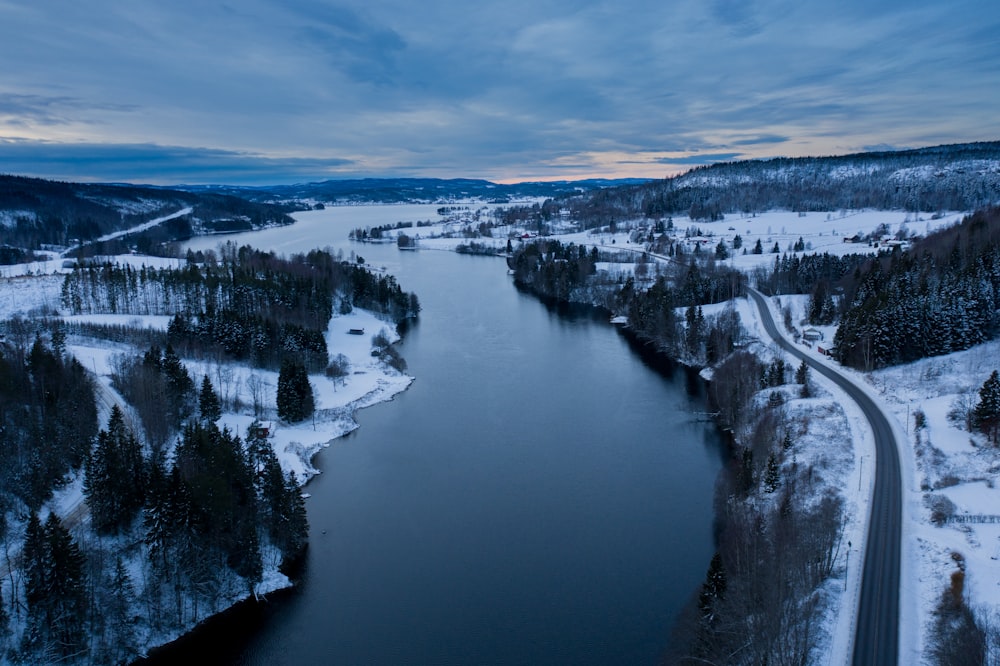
{"x":262,"y":92}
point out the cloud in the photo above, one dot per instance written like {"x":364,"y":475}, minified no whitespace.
{"x":761,"y":140}
{"x":160,"y":165}
{"x":492,"y":89}
{"x":699,"y":159}
{"x":49,"y":110}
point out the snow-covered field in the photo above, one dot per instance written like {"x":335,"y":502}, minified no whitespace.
{"x":941,"y":459}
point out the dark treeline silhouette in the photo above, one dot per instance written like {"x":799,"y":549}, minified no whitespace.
{"x":48,"y":418}
{"x":61,"y":213}
{"x":170,"y":538}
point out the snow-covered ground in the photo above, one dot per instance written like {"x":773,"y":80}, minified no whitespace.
{"x":940,"y":460}
{"x":945,"y":461}
{"x":368,"y":381}
{"x":835,"y":438}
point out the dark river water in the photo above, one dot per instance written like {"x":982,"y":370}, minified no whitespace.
{"x":541,"y":494}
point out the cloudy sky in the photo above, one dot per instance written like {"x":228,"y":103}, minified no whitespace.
{"x":255,"y":91}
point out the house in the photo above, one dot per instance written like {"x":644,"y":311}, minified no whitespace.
{"x":261,"y":430}
{"x":812,"y":334}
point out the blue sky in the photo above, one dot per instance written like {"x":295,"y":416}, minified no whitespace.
{"x":256,"y":92}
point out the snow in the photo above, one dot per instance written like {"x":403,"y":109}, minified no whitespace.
{"x":28,"y":290}
{"x":949,"y":461}
{"x":144,"y":226}
{"x":370,"y":381}
{"x":839,"y":443}
{"x":946,"y":461}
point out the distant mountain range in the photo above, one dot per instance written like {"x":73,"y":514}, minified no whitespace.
{"x":958,"y":177}
{"x":35,"y":212}
{"x":413,"y":190}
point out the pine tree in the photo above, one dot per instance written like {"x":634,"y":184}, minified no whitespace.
{"x":114,"y":484}
{"x":713,"y":590}
{"x":55,"y":589}
{"x":119,"y":615}
{"x":758,"y":248}
{"x":802,"y":377}
{"x":772,"y":477}
{"x":802,"y":373}
{"x":986,"y":414}
{"x":180,"y":386}
{"x":296,"y":532}
{"x":208,"y":401}
{"x":295,"y":396}
{"x":721,"y":251}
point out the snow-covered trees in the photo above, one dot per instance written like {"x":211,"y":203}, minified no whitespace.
{"x":295,"y":395}
{"x":55,"y":591}
{"x":777,"y":543}
{"x":208,"y":401}
{"x":986,"y":414}
{"x":253,"y":306}
{"x":941,"y":297}
{"x":115,"y":477}
{"x":49,"y":418}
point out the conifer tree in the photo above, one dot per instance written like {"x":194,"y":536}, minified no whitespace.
{"x":772,"y":477}
{"x":713,"y":590}
{"x":802,"y":377}
{"x":114,"y":484}
{"x":721,"y":251}
{"x":208,"y":401}
{"x":119,"y":615}
{"x":295,"y":396}
{"x":54,"y":589}
{"x":986,"y":413}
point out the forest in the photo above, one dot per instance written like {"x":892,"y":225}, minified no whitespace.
{"x":940,"y":297}
{"x":180,"y":518}
{"x":761,"y":602}
{"x":568,"y":272}
{"x":37,"y":212}
{"x":950,"y":177}
{"x":246,"y":304}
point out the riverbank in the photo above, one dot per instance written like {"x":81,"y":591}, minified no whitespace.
{"x":246,"y":395}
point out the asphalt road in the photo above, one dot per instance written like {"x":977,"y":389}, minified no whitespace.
{"x":876,"y":637}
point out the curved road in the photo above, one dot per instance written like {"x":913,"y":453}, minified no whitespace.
{"x":876,"y":637}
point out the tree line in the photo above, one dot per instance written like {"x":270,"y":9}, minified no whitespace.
{"x":761,"y":602}
{"x":939,"y":297}
{"x":60,"y":213}
{"x":568,"y":272}
{"x":247,"y":304}
{"x":955,"y":177}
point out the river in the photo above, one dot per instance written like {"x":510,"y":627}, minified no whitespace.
{"x":541,"y":494}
